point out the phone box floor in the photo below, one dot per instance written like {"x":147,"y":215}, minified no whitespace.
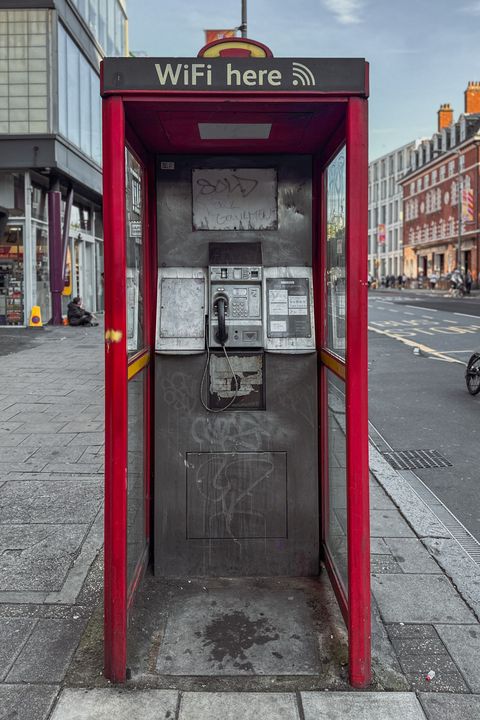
{"x":237,"y":628}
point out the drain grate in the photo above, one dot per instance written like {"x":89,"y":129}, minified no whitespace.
{"x":415,"y":459}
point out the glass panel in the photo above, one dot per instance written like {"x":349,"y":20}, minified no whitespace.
{"x":11,"y":276}
{"x":337,"y":476}
{"x":136,"y":540}
{"x":134,"y":189}
{"x":73,"y":95}
{"x":336,"y":254}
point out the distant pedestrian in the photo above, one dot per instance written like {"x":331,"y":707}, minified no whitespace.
{"x":433,"y":280}
{"x":399,"y":282}
{"x":468,"y":281}
{"x":77,"y":315}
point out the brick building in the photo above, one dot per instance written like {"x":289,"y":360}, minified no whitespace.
{"x":440,"y":231}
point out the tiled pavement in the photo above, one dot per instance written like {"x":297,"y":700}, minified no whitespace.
{"x":51,"y":473}
{"x":51,"y":484}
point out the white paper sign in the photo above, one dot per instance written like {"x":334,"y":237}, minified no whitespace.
{"x":234,"y":199}
{"x":278,"y":326}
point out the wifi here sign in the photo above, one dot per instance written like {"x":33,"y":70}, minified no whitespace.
{"x":244,"y":74}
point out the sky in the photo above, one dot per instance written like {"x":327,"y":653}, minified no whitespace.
{"x":421,"y":52}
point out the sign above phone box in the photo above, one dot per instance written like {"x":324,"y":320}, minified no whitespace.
{"x":332,"y":75}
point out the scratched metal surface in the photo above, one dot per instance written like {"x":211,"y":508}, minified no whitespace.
{"x":289,"y":244}
{"x":236,"y":493}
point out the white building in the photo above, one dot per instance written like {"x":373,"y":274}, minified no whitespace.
{"x":385,"y":217}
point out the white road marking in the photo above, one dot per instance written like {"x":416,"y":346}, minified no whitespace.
{"x":477,"y":317}
{"x":467,"y":352}
{"x":408,"y":313}
{"x":427,"y":317}
{"x":389,"y":310}
{"x":412,"y":343}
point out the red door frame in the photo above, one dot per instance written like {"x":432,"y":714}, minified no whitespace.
{"x":356,"y":606}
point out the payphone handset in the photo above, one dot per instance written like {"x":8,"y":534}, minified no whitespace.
{"x":235,"y":306}
{"x":235,"y":276}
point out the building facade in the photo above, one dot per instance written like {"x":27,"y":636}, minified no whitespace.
{"x":385,"y":218}
{"x":440,"y":196}
{"x":50,"y":152}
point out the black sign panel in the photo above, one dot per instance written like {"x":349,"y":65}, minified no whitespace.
{"x":346,"y":75}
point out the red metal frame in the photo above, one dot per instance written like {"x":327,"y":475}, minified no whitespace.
{"x":358,"y":517}
{"x":114,"y":216}
{"x":356,"y":608}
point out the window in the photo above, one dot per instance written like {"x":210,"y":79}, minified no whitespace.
{"x":391,"y":165}
{"x":426,"y":181}
{"x":419,"y":184}
{"x":451,"y":168}
{"x":391,"y":186}
{"x":442,"y":172}
{"x":412,"y":188}
{"x":400,"y":161}
{"x":384,"y":190}
{"x":383,"y":214}
{"x":383,"y":168}
{"x":79,"y":113}
{"x":375,"y":172}
{"x":461,"y":162}
{"x":395,"y":211}
{"x":390,"y":213}
{"x":434,"y":177}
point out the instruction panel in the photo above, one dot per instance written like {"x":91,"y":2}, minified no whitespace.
{"x":288,"y":307}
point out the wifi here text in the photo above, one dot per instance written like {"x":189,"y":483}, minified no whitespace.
{"x":205,"y":74}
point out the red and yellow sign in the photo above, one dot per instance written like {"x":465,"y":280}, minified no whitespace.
{"x":212,"y":35}
{"x":234,"y":47}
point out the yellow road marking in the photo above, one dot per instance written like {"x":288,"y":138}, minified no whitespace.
{"x":413,"y":343}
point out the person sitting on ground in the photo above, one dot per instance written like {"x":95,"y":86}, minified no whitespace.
{"x":77,"y":315}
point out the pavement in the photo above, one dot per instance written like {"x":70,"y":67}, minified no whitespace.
{"x":426,"y":588}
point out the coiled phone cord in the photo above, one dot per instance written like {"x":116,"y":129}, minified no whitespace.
{"x":205,"y":369}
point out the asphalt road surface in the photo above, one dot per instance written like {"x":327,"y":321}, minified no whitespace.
{"x":418,"y":398}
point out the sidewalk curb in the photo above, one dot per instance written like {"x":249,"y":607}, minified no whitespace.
{"x":458,"y":566}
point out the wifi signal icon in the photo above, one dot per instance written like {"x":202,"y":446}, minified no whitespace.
{"x":302,"y":75}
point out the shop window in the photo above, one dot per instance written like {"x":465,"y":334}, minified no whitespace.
{"x":11,"y":276}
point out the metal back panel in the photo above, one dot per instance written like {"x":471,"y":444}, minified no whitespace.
{"x":236,"y":492}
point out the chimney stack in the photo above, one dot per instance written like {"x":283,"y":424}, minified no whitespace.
{"x":472,"y":98}
{"x":445,"y":116}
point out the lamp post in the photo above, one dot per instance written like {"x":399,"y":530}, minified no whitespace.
{"x":243,"y":26}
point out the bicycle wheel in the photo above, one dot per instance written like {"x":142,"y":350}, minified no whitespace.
{"x":472,"y":375}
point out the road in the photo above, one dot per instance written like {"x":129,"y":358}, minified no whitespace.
{"x":417,"y":395}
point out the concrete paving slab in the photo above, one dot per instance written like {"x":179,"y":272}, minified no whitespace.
{"x":36,"y":558}
{"x":454,"y":707}
{"x":442,"y":682}
{"x":78,"y":468}
{"x":232,"y":706}
{"x":379,"y":499}
{"x":49,"y":501}
{"x":421,"y":518}
{"x":384,"y":564}
{"x":13,"y":634}
{"x":48,"y":651}
{"x":361,"y":706}
{"x":11,"y":439}
{"x":463,"y":644}
{"x":54,"y":453}
{"x":26,"y":702}
{"x":378,"y":546}
{"x":419,"y":599}
{"x":412,"y":557}
{"x":82,"y":426}
{"x":459,"y":567}
{"x":88,"y":438}
{"x":389,"y":523}
{"x":45,"y":440}
{"x":121,"y":704}
{"x":240,"y":630}
{"x":407,"y":631}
